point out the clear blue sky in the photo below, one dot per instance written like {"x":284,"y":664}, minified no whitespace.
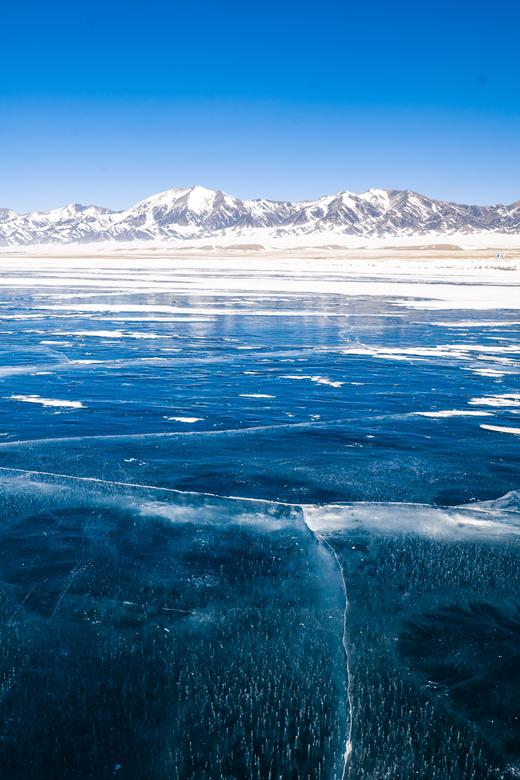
{"x":110,"y":101}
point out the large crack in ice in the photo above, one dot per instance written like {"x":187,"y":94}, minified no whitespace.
{"x":348,"y":736}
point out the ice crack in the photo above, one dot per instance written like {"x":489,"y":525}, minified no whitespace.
{"x":348,"y":736}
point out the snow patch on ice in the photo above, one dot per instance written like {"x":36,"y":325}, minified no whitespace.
{"x":320,"y":380}
{"x":256,"y":395}
{"x":185,"y":419}
{"x":54,"y":402}
{"x":113,"y":334}
{"x":501,"y":429}
{"x":504,"y":400}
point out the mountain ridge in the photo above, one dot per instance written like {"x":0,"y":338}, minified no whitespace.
{"x":182,"y":214}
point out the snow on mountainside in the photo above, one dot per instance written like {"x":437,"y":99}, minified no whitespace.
{"x":198,"y":212}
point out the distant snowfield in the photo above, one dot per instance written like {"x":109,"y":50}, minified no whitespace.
{"x":68,"y":278}
{"x":263,"y":240}
{"x":337,"y":239}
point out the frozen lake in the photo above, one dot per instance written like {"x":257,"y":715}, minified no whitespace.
{"x":259,"y":519}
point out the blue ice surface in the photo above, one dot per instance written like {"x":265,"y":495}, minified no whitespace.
{"x":305,"y":441}
{"x":121,"y":436}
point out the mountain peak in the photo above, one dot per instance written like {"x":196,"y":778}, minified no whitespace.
{"x":200,"y":199}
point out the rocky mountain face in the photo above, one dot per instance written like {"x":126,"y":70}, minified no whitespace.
{"x":198,"y":212}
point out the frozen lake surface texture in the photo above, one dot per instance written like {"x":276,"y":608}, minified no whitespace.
{"x":259,"y":519}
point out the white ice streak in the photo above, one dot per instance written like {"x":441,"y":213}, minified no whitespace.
{"x":491,"y":372}
{"x":449,"y":351}
{"x":256,"y":395}
{"x":476,"y":324}
{"x":111,"y":334}
{"x":454,"y":413}
{"x":185,"y":419}
{"x":407,"y":353}
{"x":501,"y":429}
{"x":503,"y":400}
{"x":53,"y":402}
{"x":320,"y":380}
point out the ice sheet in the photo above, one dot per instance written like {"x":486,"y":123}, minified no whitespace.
{"x":157,"y":576}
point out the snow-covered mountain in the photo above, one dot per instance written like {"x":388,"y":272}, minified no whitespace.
{"x":201,"y":213}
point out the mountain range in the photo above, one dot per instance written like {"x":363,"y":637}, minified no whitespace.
{"x":200,"y":213}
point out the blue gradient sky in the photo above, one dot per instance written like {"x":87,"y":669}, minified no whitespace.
{"x":108,"y":102}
